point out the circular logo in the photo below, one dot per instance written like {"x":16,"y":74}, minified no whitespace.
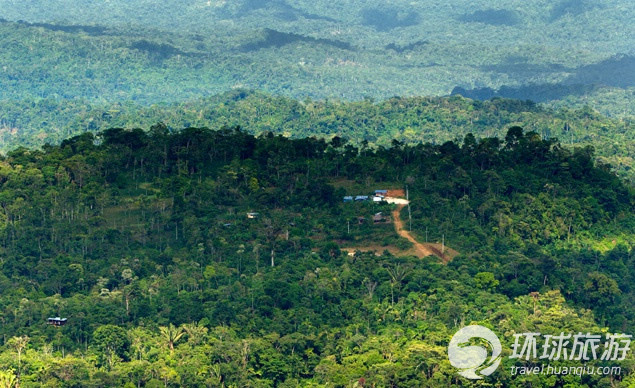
{"x":472,"y":359}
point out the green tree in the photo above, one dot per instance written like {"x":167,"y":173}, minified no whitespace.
{"x":485,"y":281}
{"x":171,"y":335}
{"x":111,"y":343}
{"x":8,"y":379}
{"x":19,"y":344}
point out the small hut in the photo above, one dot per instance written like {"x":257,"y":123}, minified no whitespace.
{"x":57,"y":321}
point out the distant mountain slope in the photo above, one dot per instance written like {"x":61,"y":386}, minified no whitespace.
{"x":603,"y":26}
{"x":176,"y":50}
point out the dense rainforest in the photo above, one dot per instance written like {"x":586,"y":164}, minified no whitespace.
{"x":410,"y":120}
{"x":142,"y":240}
{"x":561,"y":53}
{"x":190,"y":190}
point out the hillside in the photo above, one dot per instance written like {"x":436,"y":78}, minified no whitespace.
{"x":565,"y":52}
{"x":295,"y":193}
{"x":142,"y":241}
{"x":409,"y":120}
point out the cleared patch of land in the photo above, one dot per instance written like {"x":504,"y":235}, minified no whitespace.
{"x":418,"y":249}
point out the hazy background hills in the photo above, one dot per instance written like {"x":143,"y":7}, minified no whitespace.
{"x":578,"y":51}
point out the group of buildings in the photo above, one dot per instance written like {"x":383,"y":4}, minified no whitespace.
{"x":378,"y":196}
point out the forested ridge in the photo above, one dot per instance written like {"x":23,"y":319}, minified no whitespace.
{"x":141,"y":239}
{"x":32,"y":123}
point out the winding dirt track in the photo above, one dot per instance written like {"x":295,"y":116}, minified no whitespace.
{"x":422,"y":250}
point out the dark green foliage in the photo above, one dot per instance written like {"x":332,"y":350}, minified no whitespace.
{"x":140,"y":238}
{"x":90,"y":30}
{"x":158,"y":50}
{"x":273,"y":38}
{"x":617,"y":71}
{"x":406,"y":47}
{"x":571,"y":8}
{"x":408,"y":120}
{"x":496,"y":17}
{"x":386,"y":19}
{"x":111,"y":343}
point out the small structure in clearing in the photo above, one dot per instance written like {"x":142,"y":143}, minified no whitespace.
{"x":252,"y":215}
{"x":378,"y":196}
{"x":379,"y":217}
{"x":57,"y":321}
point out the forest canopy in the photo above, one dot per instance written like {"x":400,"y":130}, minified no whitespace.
{"x":141,"y":240}
{"x":410,"y":120}
{"x":286,"y":193}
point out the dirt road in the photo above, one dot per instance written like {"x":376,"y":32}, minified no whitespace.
{"x":422,"y":250}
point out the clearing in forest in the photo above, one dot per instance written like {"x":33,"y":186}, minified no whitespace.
{"x":422,"y":249}
{"x":418,"y":249}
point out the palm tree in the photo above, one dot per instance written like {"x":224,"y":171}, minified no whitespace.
{"x":8,"y":379}
{"x":397,"y":275}
{"x":171,"y":334}
{"x":195,"y":332}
